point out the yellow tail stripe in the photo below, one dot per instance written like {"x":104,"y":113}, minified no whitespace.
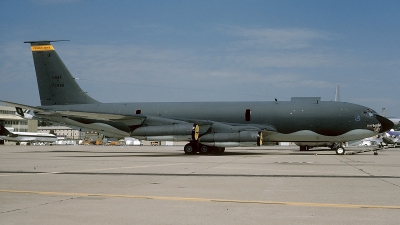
{"x":38,"y":48}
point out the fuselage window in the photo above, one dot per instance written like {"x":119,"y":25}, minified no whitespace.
{"x":369,"y":112}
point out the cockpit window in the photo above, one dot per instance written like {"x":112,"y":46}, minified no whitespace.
{"x":369,"y":112}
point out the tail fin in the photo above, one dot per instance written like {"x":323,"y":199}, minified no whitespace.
{"x":4,"y":131}
{"x":55,"y":82}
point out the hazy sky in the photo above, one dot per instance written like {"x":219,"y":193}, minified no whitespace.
{"x":128,"y":51}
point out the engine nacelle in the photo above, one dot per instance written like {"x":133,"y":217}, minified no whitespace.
{"x":238,"y":139}
{"x":175,"y":132}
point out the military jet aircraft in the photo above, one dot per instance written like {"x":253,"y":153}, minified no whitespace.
{"x":206,"y":126}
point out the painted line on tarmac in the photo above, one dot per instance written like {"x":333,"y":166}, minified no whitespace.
{"x":232,"y":175}
{"x":167,"y":198}
{"x":127,"y":167}
{"x":90,"y":172}
{"x":12,"y":173}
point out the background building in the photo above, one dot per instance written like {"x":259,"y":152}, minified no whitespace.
{"x":9,"y":119}
{"x":63,"y":131}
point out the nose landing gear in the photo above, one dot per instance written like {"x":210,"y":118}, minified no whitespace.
{"x":339,"y":149}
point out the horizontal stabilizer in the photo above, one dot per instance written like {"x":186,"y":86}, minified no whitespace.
{"x":43,"y":42}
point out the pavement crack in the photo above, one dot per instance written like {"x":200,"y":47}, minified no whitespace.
{"x":10,"y":211}
{"x":42,"y":204}
{"x":216,"y":165}
{"x":363,"y":171}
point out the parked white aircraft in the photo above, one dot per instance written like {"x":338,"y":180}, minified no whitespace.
{"x":25,"y":136}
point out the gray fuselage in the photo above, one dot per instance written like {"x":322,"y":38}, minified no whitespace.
{"x":324,"y":118}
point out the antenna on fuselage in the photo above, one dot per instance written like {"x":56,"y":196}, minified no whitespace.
{"x":337,"y":96}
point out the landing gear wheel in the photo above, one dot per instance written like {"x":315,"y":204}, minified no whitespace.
{"x":189,"y":149}
{"x":204,"y":149}
{"x":340,"y":151}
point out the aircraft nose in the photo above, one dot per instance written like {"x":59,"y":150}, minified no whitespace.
{"x":385,"y":123}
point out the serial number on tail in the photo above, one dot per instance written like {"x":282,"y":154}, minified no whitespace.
{"x":58,"y":85}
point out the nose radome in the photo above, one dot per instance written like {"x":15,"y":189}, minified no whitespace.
{"x":386,"y":124}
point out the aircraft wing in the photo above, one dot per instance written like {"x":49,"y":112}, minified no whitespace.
{"x":91,"y":115}
{"x":88,"y":115}
{"x":36,"y":109}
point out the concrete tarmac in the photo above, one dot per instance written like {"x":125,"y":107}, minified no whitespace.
{"x":161,"y":185}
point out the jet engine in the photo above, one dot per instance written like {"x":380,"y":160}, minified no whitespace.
{"x":237,"y":139}
{"x":175,"y":132}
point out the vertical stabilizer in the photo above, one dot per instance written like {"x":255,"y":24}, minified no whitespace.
{"x":56,"y":84}
{"x":4,"y":131}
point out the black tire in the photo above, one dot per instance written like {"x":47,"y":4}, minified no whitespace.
{"x":204,"y":149}
{"x":340,"y":151}
{"x":189,"y":149}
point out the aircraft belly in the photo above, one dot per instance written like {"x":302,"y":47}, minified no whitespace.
{"x":307,"y":135}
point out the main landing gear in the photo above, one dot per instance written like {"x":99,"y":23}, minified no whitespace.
{"x":194,"y":147}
